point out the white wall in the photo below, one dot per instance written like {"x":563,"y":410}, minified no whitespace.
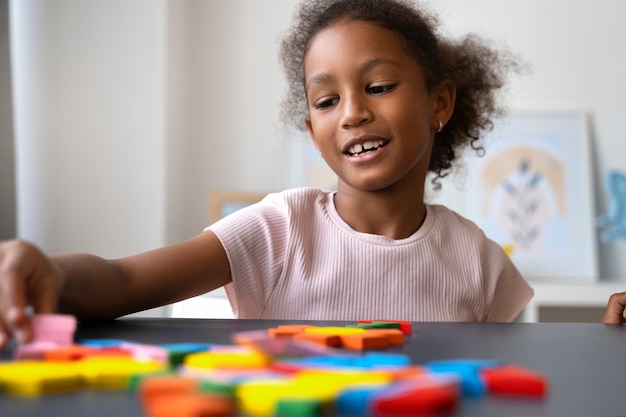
{"x":129,"y":112}
{"x":89,"y":88}
{"x":232,"y":140}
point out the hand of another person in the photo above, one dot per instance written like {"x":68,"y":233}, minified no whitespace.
{"x":615,"y":313}
{"x":28,"y":278}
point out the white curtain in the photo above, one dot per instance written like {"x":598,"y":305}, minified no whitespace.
{"x":7,"y":164}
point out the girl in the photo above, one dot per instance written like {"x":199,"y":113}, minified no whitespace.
{"x":385,"y":101}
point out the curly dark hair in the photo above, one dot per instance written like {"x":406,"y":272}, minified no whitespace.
{"x":477,"y":69}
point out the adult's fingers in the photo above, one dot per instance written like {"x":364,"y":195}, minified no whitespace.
{"x":616,"y":309}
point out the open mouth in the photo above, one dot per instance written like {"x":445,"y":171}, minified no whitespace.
{"x":365,"y":147}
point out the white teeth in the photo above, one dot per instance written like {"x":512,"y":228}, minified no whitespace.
{"x":356,"y":148}
{"x":366,"y":146}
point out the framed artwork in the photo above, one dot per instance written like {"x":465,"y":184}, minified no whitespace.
{"x":221,"y":204}
{"x":532,"y":193}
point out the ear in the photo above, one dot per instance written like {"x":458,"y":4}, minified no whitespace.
{"x":309,"y":127}
{"x":444,"y":98}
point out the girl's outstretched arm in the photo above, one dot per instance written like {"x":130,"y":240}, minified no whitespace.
{"x":615,"y":310}
{"x":93,"y":288}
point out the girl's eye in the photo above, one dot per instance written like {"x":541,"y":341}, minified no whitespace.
{"x":325,"y":103}
{"x":380,"y":89}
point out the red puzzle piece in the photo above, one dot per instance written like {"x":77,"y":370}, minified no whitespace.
{"x":514,"y":380}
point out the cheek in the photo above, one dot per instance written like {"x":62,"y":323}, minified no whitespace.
{"x":321,"y":127}
{"x":413,"y":119}
{"x":320,"y":134}
{"x":416,"y":128}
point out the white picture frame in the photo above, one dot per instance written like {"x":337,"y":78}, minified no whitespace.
{"x":532,"y":192}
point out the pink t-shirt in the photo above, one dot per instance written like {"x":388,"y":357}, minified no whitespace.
{"x":293,"y":257}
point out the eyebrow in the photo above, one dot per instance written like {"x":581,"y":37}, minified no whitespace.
{"x":364,"y":67}
{"x":320,"y":78}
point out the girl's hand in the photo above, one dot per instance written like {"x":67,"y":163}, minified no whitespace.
{"x":27,"y":279}
{"x":615,"y":313}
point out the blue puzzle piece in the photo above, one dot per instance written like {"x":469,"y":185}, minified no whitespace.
{"x":103,"y":343}
{"x":355,"y":401}
{"x":186,"y":347}
{"x":367,"y":360}
{"x":472,"y":384}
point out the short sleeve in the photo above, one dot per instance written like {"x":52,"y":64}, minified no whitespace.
{"x":255,"y":240}
{"x":506,"y":290}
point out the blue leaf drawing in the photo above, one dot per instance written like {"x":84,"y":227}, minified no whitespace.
{"x":526,"y":205}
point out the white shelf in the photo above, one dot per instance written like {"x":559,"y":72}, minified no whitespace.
{"x":563,"y":294}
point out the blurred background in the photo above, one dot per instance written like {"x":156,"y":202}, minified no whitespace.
{"x":119,"y":118}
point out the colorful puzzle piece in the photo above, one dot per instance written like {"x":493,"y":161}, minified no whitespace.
{"x":405,"y":326}
{"x":469,"y":372}
{"x":115,"y":372}
{"x":195,"y":404}
{"x":227,"y":359}
{"x":34,"y":378}
{"x":57,"y":328}
{"x":425,"y":395}
{"x":514,"y":380}
{"x":49,"y":330}
{"x":178,"y":351}
{"x":290,"y":370}
{"x":362,"y":336}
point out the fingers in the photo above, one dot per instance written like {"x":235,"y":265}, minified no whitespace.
{"x":616,"y":309}
{"x":27,"y":279}
{"x":19,"y":324}
{"x":13,"y":293}
{"x":5,"y":335}
{"x":44,"y":293}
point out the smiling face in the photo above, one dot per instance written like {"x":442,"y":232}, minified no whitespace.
{"x":372,"y":116}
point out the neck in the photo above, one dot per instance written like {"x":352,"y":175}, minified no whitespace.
{"x":396,"y":214}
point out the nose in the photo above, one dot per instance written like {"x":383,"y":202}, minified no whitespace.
{"x":356,"y":111}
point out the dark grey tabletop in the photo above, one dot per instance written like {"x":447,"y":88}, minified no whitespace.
{"x":585,"y":363}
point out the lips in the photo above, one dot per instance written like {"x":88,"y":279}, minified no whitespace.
{"x":364,"y":145}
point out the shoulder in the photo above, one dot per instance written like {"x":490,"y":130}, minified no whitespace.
{"x":298,"y":196}
{"x":461,"y":233}
{"x":447,"y":219}
{"x":297,"y":201}
{"x":277,"y":207}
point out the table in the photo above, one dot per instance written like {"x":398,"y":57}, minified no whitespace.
{"x":584,"y":362}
